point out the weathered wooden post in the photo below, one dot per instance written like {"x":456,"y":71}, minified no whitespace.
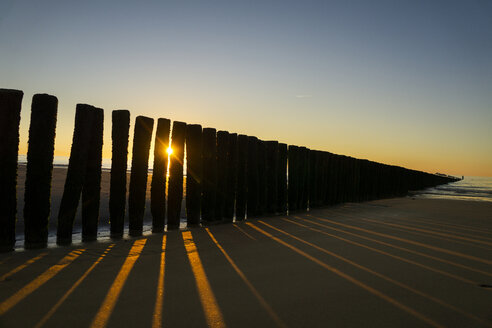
{"x":363,"y":183}
{"x":335,"y":178}
{"x":349,"y":179}
{"x":311,"y":159}
{"x":209,"y":187}
{"x":117,"y":192}
{"x":377,"y":180}
{"x":159,"y":172}
{"x":271,"y":176}
{"x":10,"y":108}
{"x":194,"y":173}
{"x":342,"y":183}
{"x":242,"y":185}
{"x":91,"y":192}
{"x":357,"y":163}
{"x":77,"y":167}
{"x":252,"y":177}
{"x":293,"y":178}
{"x":175,"y":187}
{"x":231,"y":178}
{"x":320,"y":175}
{"x":222,"y":173}
{"x":138,"y":178}
{"x":324,"y":183}
{"x":304,"y":182}
{"x":39,"y":170}
{"x":282,"y":179}
{"x":346,"y":179}
{"x":262,"y":179}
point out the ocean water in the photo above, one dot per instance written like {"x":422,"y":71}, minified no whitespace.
{"x":62,"y":161}
{"x":470,"y":188}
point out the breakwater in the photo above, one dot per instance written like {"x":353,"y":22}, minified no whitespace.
{"x":229,"y":176}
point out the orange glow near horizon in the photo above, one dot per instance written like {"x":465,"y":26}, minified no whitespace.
{"x":376,"y":141}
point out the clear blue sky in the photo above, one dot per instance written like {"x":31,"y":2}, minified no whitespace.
{"x":400,"y":82}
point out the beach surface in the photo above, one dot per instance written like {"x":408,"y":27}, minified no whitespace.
{"x":399,"y":262}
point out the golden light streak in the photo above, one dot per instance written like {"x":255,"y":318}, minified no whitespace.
{"x":415,"y":223}
{"x":213,"y":315}
{"x":55,"y":307}
{"x":253,"y":290}
{"x":377,"y":274}
{"x":169,"y":150}
{"x":39,"y":281}
{"x":157,"y":317}
{"x":382,"y":252}
{"x":244,"y":232}
{"x":451,"y":225}
{"x":424,"y":234}
{"x":434,"y":248}
{"x":345,"y":276}
{"x":102,"y":316}
{"x":22,"y":266}
{"x":392,"y":245}
{"x":442,"y":234}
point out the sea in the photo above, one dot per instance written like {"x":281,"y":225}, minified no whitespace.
{"x":470,"y":188}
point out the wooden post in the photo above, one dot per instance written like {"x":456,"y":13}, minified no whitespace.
{"x":222,"y":173}
{"x":293,"y":178}
{"x":242,"y":186}
{"x":326,"y":182}
{"x":271,"y":176}
{"x":138,"y":178}
{"x":10,"y":108}
{"x":39,"y":170}
{"x":312,"y":178}
{"x":117,"y":193}
{"x":194,"y":173}
{"x":335,"y":191}
{"x":175,"y":188}
{"x":77,"y":167}
{"x":282,"y":179}
{"x":209,"y":187}
{"x":304,"y":179}
{"x":364,"y":180}
{"x":252,"y":177}
{"x":357,"y":163}
{"x":349,"y":179}
{"x":91,"y":192}
{"x":262,"y":178}
{"x":320,"y":155}
{"x":159,"y":175}
{"x":231,"y":178}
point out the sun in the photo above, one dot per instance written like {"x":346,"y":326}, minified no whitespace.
{"x":169,"y":150}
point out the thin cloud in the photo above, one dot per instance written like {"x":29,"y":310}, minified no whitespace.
{"x":304,"y":96}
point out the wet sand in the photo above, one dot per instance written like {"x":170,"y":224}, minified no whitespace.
{"x":388,"y":263}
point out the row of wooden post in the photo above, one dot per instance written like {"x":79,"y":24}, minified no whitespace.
{"x":229,"y":176}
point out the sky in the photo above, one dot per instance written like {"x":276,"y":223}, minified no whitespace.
{"x":407,"y":83}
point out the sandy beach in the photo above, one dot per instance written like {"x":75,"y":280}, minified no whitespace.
{"x":399,"y":262}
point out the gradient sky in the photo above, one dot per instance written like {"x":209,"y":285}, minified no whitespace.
{"x":399,"y":82}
